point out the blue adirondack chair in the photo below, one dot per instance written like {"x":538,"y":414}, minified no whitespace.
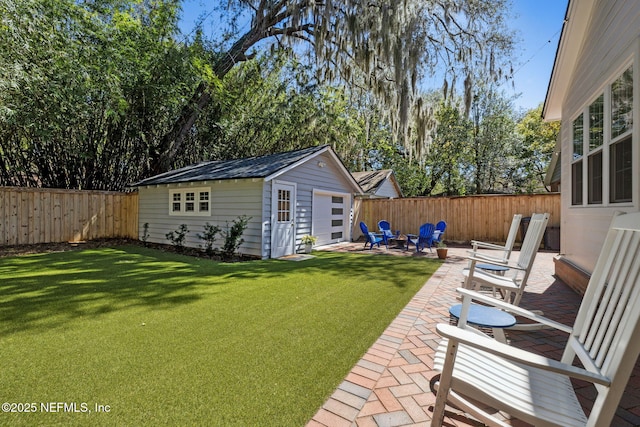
{"x":423,"y":239}
{"x":437,"y":235}
{"x":385,"y":230}
{"x":372,"y":238}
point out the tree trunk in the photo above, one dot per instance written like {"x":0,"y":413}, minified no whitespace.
{"x":171,"y":143}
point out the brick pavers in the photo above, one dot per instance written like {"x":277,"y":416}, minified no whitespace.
{"x":389,"y":386}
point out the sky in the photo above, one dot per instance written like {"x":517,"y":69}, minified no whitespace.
{"x":538,"y":24}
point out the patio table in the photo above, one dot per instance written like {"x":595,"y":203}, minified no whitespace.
{"x":486,"y":317}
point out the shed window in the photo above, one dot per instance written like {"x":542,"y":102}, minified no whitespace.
{"x":190,"y":202}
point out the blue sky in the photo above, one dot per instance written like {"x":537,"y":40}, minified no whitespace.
{"x":538,"y":22}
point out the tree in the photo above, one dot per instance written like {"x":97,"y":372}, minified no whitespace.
{"x":88,"y":87}
{"x":490,"y":148}
{"x":376,"y":46}
{"x":538,"y":140}
{"x":448,"y":152}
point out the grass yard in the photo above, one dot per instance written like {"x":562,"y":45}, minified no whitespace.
{"x":164,"y":339}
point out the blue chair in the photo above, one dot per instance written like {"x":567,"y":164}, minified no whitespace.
{"x":372,"y":238}
{"x":385,"y":230}
{"x":437,"y":235}
{"x":423,"y":239}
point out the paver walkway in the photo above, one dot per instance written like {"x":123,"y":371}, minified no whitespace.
{"x":389,"y":386}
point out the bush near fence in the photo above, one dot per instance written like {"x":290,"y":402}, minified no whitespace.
{"x":36,"y":215}
{"x":481,"y":217}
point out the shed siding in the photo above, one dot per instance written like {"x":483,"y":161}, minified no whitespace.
{"x":229,"y":200}
{"x":612,"y":40}
{"x":310,"y":176}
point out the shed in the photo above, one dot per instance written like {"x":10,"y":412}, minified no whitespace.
{"x":378,"y":184}
{"x":286,"y":195}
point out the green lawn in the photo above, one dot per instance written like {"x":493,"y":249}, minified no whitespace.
{"x":168,"y":339}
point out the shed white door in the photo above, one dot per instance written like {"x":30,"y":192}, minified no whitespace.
{"x":283,"y":213}
{"x":331,"y":217}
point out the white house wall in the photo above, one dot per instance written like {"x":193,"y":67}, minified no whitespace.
{"x":229,"y":200}
{"x":612,"y":41}
{"x":387,"y":189}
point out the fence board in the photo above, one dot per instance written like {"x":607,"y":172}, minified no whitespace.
{"x":35,"y":215}
{"x":484,"y":217}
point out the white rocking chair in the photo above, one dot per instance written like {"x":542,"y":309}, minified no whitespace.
{"x":511,"y":286}
{"x":504,"y":249}
{"x":538,"y":390}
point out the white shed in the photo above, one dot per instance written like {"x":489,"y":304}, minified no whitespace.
{"x":286,"y":195}
{"x":594,"y":91}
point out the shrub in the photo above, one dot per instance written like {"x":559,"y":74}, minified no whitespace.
{"x":233,"y":236}
{"x":209,"y":237}
{"x":177,"y":237}
{"x":145,"y":233}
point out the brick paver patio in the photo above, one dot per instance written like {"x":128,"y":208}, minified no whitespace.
{"x":389,"y":386}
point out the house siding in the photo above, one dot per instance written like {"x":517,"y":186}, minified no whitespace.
{"x":229,"y":200}
{"x":611,"y":42}
{"x":387,"y":189}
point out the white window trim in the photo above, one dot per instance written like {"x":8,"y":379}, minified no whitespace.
{"x":608,"y":140}
{"x":183,"y":192}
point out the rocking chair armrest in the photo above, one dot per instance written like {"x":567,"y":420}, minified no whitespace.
{"x":484,"y":260}
{"x":513,"y":309}
{"x":485,"y":257}
{"x":477,"y":244}
{"x":505,"y":351}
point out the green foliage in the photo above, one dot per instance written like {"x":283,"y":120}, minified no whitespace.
{"x":538,"y":140}
{"x":178,"y":237}
{"x":233,"y":236}
{"x":308,"y":240}
{"x":209,"y":237}
{"x":87,"y":89}
{"x":145,"y":233}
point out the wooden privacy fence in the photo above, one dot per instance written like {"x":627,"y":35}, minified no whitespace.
{"x":32,"y":215}
{"x":484,"y":217}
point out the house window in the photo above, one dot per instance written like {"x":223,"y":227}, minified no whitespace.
{"x":595,"y":178}
{"x":621,"y":147}
{"x":190,"y":202}
{"x":576,"y":183}
{"x":596,"y":137}
{"x":621,"y":181}
{"x":608,"y":144}
{"x":578,"y":137}
{"x":576,"y":167}
{"x":596,"y":123}
{"x":622,"y":104}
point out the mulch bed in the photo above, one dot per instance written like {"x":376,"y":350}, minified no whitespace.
{"x":15,"y":250}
